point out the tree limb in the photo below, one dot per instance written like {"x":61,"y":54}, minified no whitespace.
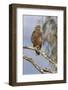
{"x":40,"y":69}
{"x":42,"y":53}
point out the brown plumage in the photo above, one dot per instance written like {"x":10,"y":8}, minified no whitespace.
{"x":37,"y":38}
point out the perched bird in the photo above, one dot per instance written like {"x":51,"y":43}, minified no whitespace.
{"x":36,"y":38}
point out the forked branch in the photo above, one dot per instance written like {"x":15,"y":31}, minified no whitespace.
{"x":40,"y":69}
{"x":42,"y":53}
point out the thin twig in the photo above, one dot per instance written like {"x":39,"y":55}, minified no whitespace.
{"x":40,"y":69}
{"x":42,"y":53}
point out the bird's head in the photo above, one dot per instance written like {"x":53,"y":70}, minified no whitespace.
{"x":38,"y":28}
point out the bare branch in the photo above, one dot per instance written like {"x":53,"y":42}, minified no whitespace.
{"x":42,"y":53}
{"x":40,"y":69}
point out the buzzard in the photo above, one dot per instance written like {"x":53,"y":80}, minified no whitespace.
{"x":36,"y":38}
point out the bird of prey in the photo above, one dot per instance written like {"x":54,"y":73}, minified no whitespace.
{"x":36,"y":38}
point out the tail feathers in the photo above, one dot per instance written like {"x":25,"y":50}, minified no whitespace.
{"x":38,"y":53}
{"x":37,"y":48}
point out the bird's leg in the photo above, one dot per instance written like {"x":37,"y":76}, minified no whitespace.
{"x":37,"y":49}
